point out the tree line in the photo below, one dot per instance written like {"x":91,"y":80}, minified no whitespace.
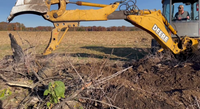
{"x":4,"y":26}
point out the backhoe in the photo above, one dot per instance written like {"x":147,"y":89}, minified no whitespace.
{"x":182,"y":40}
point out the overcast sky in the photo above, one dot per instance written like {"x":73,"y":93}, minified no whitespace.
{"x":33,"y":20}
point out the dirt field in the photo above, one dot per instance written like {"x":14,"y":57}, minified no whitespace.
{"x":122,"y":45}
{"x":96,"y":76}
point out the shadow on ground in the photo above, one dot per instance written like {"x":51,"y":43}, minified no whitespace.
{"x":122,"y":54}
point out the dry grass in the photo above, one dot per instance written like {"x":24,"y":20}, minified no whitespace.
{"x":82,"y":44}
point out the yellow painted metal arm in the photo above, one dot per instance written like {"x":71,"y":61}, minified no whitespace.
{"x":82,"y":15}
{"x":62,"y":15}
{"x":55,"y":40}
{"x":146,"y":12}
{"x":61,"y":9}
{"x":154,"y":23}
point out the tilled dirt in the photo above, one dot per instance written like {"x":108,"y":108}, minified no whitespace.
{"x":153,"y":82}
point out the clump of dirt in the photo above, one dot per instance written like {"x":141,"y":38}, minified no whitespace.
{"x":155,"y":81}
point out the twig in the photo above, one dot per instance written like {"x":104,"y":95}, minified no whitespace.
{"x":45,"y":80}
{"x":21,"y":104}
{"x":72,"y":96}
{"x":109,"y":99}
{"x":26,"y":85}
{"x":12,"y":71}
{"x":89,"y":84}
{"x":20,"y":84}
{"x":101,"y":68}
{"x":76,"y":71}
{"x":4,"y":78}
{"x":38,"y":107}
{"x":112,"y":76}
{"x":37,"y":76}
{"x":20,"y":36}
{"x":69,"y":106}
{"x":100,"y":102}
{"x":198,"y":106}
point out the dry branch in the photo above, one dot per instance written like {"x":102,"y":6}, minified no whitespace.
{"x":8,"y":70}
{"x":76,"y":71}
{"x":88,"y":85}
{"x":111,"y":76}
{"x":4,"y":78}
{"x":21,"y":84}
{"x":37,"y":76}
{"x":17,"y":83}
{"x":72,"y":96}
{"x":197,"y":102}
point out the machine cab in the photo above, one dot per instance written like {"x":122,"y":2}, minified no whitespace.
{"x":190,"y":25}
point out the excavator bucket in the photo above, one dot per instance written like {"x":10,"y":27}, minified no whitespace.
{"x":28,"y":6}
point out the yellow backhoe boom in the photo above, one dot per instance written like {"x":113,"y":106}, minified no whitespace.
{"x":155,"y":23}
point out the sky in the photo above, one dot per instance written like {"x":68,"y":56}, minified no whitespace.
{"x":31,"y":20}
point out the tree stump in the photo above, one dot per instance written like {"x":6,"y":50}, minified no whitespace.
{"x":18,"y":53}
